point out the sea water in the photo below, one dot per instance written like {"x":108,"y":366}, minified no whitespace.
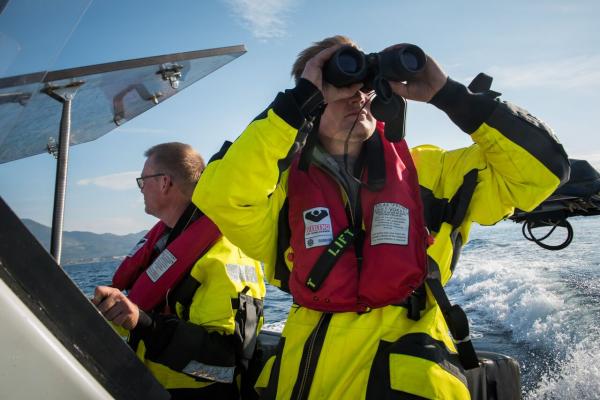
{"x":541,"y":307}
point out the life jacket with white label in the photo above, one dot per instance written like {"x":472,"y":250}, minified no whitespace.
{"x":151,"y":269}
{"x":344,"y":262}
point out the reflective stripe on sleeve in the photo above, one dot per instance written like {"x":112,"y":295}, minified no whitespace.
{"x":211,"y":372}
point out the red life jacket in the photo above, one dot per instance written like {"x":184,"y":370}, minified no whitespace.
{"x":149,"y":276}
{"x":395,"y":238}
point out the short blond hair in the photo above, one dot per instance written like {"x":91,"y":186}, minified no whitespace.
{"x":180,"y":161}
{"x":316,"y":48}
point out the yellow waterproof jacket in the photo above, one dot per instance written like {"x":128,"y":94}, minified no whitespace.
{"x":200,"y":344}
{"x":381,"y":352}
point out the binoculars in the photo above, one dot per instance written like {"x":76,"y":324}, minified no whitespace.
{"x":348,"y":65}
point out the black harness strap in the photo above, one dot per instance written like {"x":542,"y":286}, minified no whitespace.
{"x":415,"y":303}
{"x":328,"y":258}
{"x":191,"y":214}
{"x":454,"y":315}
{"x":247,"y":317}
{"x":453,"y":211}
{"x":462,"y":199}
{"x":455,"y":318}
{"x":284,"y":233}
{"x":183,"y":294}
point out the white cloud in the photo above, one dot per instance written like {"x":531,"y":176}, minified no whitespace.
{"x":120,"y":181}
{"x":265,"y":19}
{"x":581,"y":72}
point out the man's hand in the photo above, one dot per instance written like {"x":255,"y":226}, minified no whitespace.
{"x":313,"y":71}
{"x":116,"y":307}
{"x":424,"y":85}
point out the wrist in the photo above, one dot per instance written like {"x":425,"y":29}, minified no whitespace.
{"x":308,"y":97}
{"x":299,"y":104}
{"x":467,"y":110}
{"x":145,"y":322}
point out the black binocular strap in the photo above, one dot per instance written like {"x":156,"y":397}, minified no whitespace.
{"x":375,"y":160}
{"x":311,"y":130}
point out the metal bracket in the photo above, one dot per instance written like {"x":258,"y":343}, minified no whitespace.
{"x":63,"y":93}
{"x":119,"y":100}
{"x":52,"y":147}
{"x":172,"y":74}
{"x":20,"y":97}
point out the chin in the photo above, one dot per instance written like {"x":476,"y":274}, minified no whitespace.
{"x":364,"y":129}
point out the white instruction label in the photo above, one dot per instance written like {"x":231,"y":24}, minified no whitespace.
{"x":161,"y":265}
{"x":317,"y":227}
{"x":390,"y":224}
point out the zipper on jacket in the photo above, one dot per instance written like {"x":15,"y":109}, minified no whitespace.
{"x":354,"y":216}
{"x":310,"y":358}
{"x":350,"y":214}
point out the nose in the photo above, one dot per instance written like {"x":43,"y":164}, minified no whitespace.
{"x":359,"y":98}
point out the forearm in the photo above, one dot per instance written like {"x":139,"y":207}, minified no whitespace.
{"x":467,"y":110}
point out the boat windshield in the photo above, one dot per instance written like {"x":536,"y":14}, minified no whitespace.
{"x":103,"y":96}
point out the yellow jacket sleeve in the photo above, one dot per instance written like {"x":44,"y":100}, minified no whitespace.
{"x":519,"y":164}
{"x":223,"y":272}
{"x":512,"y":172}
{"x":242,"y":192}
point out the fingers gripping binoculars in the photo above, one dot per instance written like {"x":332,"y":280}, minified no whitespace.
{"x":349,"y":65}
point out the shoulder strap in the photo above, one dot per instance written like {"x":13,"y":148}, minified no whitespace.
{"x":462,"y":199}
{"x":172,"y":265}
{"x":183,"y":294}
{"x":452,"y":211}
{"x":282,"y":273}
{"x":454,"y":315}
{"x":191,"y":214}
{"x":139,"y":258}
{"x":249,"y":311}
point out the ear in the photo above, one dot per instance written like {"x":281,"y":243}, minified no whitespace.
{"x":165,"y":183}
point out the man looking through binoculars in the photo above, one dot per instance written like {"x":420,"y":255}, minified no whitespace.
{"x":364,"y":232}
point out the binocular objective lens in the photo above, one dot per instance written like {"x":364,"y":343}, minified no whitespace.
{"x":348,"y":63}
{"x":410,"y":61}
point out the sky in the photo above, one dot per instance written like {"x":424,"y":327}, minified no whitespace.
{"x":544,"y":56}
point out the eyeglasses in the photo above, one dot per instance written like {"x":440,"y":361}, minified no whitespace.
{"x":140,"y":180}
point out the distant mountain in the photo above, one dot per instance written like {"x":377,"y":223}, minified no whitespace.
{"x":81,"y":247}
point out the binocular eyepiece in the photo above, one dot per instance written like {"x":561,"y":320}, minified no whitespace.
{"x":348,"y":66}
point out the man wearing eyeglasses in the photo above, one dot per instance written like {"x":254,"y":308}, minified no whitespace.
{"x":194,"y":301}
